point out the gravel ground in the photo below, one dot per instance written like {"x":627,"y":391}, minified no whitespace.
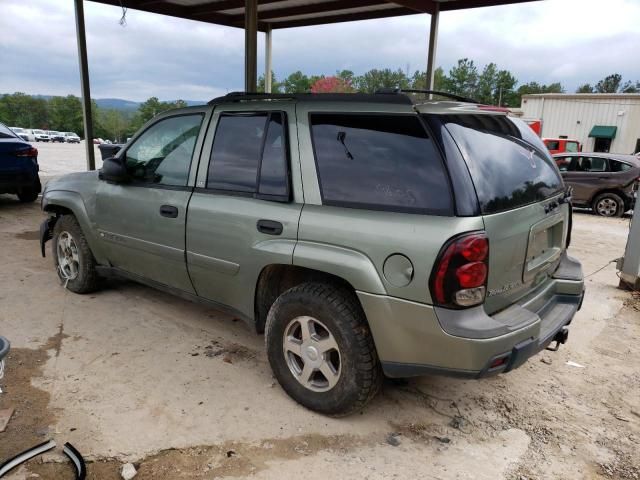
{"x":183,"y":391}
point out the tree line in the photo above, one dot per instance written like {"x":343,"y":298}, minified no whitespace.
{"x":487,"y":84}
{"x":64,"y":114}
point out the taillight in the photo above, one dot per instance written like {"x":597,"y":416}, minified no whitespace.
{"x":27,"y":152}
{"x":459,"y":277}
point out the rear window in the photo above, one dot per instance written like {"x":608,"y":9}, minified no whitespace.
{"x":509,"y":164}
{"x":379,"y":162}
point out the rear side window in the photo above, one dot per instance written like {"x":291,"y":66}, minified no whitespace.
{"x":249,"y":154}
{"x":379,"y":162}
{"x":617,"y":166}
{"x":509,"y":164}
{"x":571,"y":146}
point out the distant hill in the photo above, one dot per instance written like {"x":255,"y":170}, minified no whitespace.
{"x":119,"y":103}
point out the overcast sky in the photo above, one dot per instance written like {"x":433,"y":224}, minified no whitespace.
{"x":570,"y":41}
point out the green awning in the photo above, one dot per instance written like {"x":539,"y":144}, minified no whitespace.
{"x":603,"y":131}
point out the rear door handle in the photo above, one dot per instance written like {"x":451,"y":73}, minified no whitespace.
{"x":169,"y":211}
{"x":270,"y":227}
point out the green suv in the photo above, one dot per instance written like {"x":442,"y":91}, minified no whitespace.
{"x":363,"y":234}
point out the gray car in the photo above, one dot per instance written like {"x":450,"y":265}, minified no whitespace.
{"x":365,"y":235}
{"x":604,"y":182}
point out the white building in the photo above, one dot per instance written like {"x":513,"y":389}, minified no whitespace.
{"x":602,"y":122}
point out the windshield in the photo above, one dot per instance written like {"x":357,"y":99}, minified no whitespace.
{"x":509,"y":164}
{"x":39,"y":132}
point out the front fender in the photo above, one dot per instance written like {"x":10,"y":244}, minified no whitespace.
{"x":350,"y":265}
{"x":64,"y":201}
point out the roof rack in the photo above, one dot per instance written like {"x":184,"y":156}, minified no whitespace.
{"x":378,"y":97}
{"x":453,"y":96}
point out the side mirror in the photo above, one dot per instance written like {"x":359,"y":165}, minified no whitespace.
{"x":113,"y":170}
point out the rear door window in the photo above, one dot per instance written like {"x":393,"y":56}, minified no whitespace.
{"x":379,"y":162}
{"x":250,"y":155}
{"x":591,"y":164}
{"x":509,"y":164}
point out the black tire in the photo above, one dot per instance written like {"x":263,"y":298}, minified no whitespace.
{"x":87,"y":279}
{"x":340,"y":312}
{"x":28,"y":195}
{"x":608,"y":205}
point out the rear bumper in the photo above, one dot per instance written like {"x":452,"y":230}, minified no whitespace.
{"x":14,"y":181}
{"x":411,"y":340}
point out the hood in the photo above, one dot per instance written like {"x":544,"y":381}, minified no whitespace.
{"x":75,"y":182}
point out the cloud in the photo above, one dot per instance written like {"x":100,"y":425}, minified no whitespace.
{"x":570,"y":41}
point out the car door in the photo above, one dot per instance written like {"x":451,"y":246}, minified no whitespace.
{"x":142,"y":221}
{"x":583,"y":174}
{"x":244,"y":213}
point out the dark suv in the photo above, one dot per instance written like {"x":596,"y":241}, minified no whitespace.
{"x":605,"y":182}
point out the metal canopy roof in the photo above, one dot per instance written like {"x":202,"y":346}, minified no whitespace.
{"x":298,"y":13}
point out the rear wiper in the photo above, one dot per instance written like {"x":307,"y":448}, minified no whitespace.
{"x":341,"y":137}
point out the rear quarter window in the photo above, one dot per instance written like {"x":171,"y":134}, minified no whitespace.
{"x":379,"y":162}
{"x":509,"y":164}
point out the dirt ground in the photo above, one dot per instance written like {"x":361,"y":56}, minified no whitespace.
{"x":183,"y":391}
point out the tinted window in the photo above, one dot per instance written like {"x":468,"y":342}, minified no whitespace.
{"x":236,"y":152}
{"x":245,"y":143}
{"x":383,"y":162}
{"x":564,"y":163}
{"x":273,"y":169}
{"x":551,"y":145}
{"x":162,"y":154}
{"x":509,"y":164}
{"x":590,"y":164}
{"x":617,"y":166}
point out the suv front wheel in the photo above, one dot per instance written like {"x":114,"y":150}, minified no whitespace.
{"x":321,"y":350}
{"x":72,"y":256}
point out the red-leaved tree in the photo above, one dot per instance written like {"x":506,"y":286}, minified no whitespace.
{"x":331,"y":85}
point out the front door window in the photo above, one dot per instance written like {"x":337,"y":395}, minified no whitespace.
{"x":162,"y":154}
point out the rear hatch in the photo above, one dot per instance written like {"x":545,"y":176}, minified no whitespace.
{"x":521,"y":198}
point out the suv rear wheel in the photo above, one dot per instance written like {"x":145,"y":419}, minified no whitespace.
{"x":321,"y":349}
{"x":608,"y":205}
{"x":72,"y":256}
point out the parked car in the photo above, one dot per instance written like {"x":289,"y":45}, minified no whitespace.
{"x":21,"y":132}
{"x":98,"y":141}
{"x":31,"y":137}
{"x":56,"y":136}
{"x":559,"y":145}
{"x":71,"y":137}
{"x":364,"y":234}
{"x":604,"y":182}
{"x":41,"y":135}
{"x":18,"y":166}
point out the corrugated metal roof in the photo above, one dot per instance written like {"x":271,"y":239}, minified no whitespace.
{"x":296,"y":13}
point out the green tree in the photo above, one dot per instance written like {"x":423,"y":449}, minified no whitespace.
{"x":609,"y":84}
{"x":297,"y":82}
{"x":275,"y":85}
{"x":114,"y":124}
{"x":152,"y":107}
{"x":463,"y":78}
{"x":385,"y":78}
{"x":21,"y":110}
{"x":65,"y":114}
{"x":487,"y":84}
{"x":504,"y":94}
{"x":418,"y":80}
{"x":631,"y":87}
{"x":585,"y":88}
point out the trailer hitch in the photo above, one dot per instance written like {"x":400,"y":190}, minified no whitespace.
{"x":560,"y":338}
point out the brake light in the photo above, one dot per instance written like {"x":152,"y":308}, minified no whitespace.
{"x":28,"y":152}
{"x":459,"y":277}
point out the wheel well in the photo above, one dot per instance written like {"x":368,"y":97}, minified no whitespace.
{"x":276,"y":279}
{"x":615,"y":191}
{"x":58,"y":210}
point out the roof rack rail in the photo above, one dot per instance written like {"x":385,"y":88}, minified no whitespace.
{"x":453,"y":96}
{"x":382,"y":97}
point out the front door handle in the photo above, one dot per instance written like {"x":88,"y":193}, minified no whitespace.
{"x":270,"y":227}
{"x":169,"y":211}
